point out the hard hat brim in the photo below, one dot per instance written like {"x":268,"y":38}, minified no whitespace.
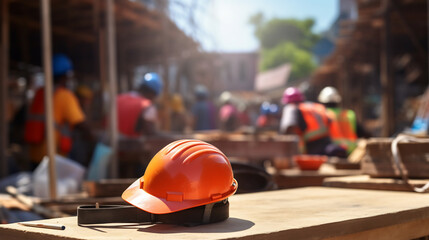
{"x":138,"y":197}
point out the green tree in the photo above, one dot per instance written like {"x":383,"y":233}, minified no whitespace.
{"x":285,"y":40}
{"x":287,"y":52}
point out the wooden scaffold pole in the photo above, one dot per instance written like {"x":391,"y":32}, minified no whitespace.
{"x":4,"y":82}
{"x":47,"y":68}
{"x":112,"y":75}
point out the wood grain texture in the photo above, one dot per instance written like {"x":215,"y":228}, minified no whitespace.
{"x":304,"y":213}
{"x":366,"y":182}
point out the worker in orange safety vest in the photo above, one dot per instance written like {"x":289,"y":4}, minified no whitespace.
{"x":68,"y":116}
{"x":137,"y":115}
{"x":309,"y":121}
{"x":343,"y":124}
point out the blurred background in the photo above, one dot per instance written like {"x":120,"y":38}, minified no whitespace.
{"x":239,"y":52}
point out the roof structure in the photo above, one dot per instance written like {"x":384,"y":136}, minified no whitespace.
{"x":383,"y":52}
{"x":274,"y":78}
{"x":79,"y":30}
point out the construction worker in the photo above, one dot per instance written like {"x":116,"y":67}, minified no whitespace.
{"x":264,"y":110}
{"x":68,"y":115}
{"x":308,"y":120}
{"x":177,"y":114}
{"x":228,"y":113}
{"x":203,"y":111}
{"x":343,"y":124}
{"x":137,"y":115}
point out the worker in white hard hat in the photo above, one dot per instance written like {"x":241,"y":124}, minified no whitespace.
{"x":228,"y":113}
{"x":343,"y":127}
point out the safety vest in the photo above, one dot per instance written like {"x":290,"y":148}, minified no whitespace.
{"x":35,"y":125}
{"x":342,"y":128}
{"x":316,"y":121}
{"x":130,"y":108}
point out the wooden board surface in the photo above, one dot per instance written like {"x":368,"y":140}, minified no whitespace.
{"x":366,"y":182}
{"x":379,"y":159}
{"x":294,"y":177}
{"x":246,"y":146}
{"x":304,"y":213}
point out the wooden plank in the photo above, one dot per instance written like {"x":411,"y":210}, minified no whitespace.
{"x":366,"y":182}
{"x":294,"y":178}
{"x":49,"y":114}
{"x":4,"y":78}
{"x":57,"y":30}
{"x":242,"y":146}
{"x":379,"y":159}
{"x":304,"y":213}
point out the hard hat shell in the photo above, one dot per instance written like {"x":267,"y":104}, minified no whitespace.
{"x":329,"y":95}
{"x":182,"y":175}
{"x":84,"y":91}
{"x":153,"y":81}
{"x":292,"y":95}
{"x":61,"y":64}
{"x":201,"y":91}
{"x":274,"y":109}
{"x":176,"y":103}
{"x":225,"y":97}
{"x":265,"y":108}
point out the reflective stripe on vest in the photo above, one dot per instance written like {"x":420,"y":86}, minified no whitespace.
{"x":35,"y":125}
{"x":316,"y":120}
{"x":342,"y":127}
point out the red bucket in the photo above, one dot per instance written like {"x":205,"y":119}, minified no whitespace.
{"x":309,"y":162}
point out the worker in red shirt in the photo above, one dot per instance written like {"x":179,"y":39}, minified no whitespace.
{"x":137,"y":114}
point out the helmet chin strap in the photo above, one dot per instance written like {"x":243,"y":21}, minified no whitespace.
{"x":207,"y":212}
{"x":89,"y":216}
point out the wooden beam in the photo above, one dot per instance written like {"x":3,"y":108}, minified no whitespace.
{"x":138,"y":19}
{"x":386,"y":76}
{"x":421,"y":52}
{"x":113,"y":89}
{"x":4,"y":78}
{"x":81,"y":36}
{"x":49,"y":116}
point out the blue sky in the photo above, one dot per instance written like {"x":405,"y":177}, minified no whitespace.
{"x":222,"y":25}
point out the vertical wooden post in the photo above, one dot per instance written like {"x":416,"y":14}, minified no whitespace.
{"x":386,"y":76}
{"x":102,"y":64}
{"x":166,"y":67}
{"x":49,"y":116}
{"x":341,"y":78}
{"x":111,"y":44}
{"x":359,"y":95}
{"x":427,"y":36}
{"x":4,"y":77}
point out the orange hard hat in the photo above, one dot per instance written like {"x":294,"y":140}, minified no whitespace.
{"x":182,"y":175}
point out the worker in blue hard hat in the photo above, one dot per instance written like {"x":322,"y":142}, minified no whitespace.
{"x":269,"y":116}
{"x":137,"y":113}
{"x":68,"y":115}
{"x":262,"y":120}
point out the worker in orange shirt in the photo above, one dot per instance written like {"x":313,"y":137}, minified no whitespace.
{"x":68,"y":115}
{"x":137,"y":115}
